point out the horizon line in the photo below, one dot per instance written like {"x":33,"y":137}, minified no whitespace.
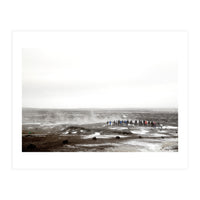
{"x":97,"y":108}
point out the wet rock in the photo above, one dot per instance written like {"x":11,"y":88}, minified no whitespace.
{"x":31,"y":147}
{"x":65,"y":141}
{"x":117,"y":137}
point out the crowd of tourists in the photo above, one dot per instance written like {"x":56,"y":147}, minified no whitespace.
{"x":132,"y":123}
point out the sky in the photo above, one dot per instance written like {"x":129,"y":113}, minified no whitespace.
{"x":103,"y":70}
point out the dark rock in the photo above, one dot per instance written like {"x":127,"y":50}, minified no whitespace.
{"x":162,"y":137}
{"x":94,"y":138}
{"x":65,"y":142}
{"x":140,"y":136}
{"x":117,"y":137}
{"x":31,"y":147}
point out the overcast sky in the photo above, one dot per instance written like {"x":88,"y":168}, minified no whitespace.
{"x":103,"y":70}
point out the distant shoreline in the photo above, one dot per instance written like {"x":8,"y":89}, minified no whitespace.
{"x":117,"y":109}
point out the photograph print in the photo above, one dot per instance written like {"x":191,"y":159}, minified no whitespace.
{"x":102,"y":91}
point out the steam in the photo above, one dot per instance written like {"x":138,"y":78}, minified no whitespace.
{"x":63,"y":116}
{"x":67,"y":116}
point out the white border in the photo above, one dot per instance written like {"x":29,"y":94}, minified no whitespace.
{"x":68,"y":160}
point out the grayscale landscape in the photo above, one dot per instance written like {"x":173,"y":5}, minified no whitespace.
{"x":99,"y":130}
{"x":101,"y":92}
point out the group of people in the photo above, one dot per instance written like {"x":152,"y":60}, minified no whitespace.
{"x":132,"y":122}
